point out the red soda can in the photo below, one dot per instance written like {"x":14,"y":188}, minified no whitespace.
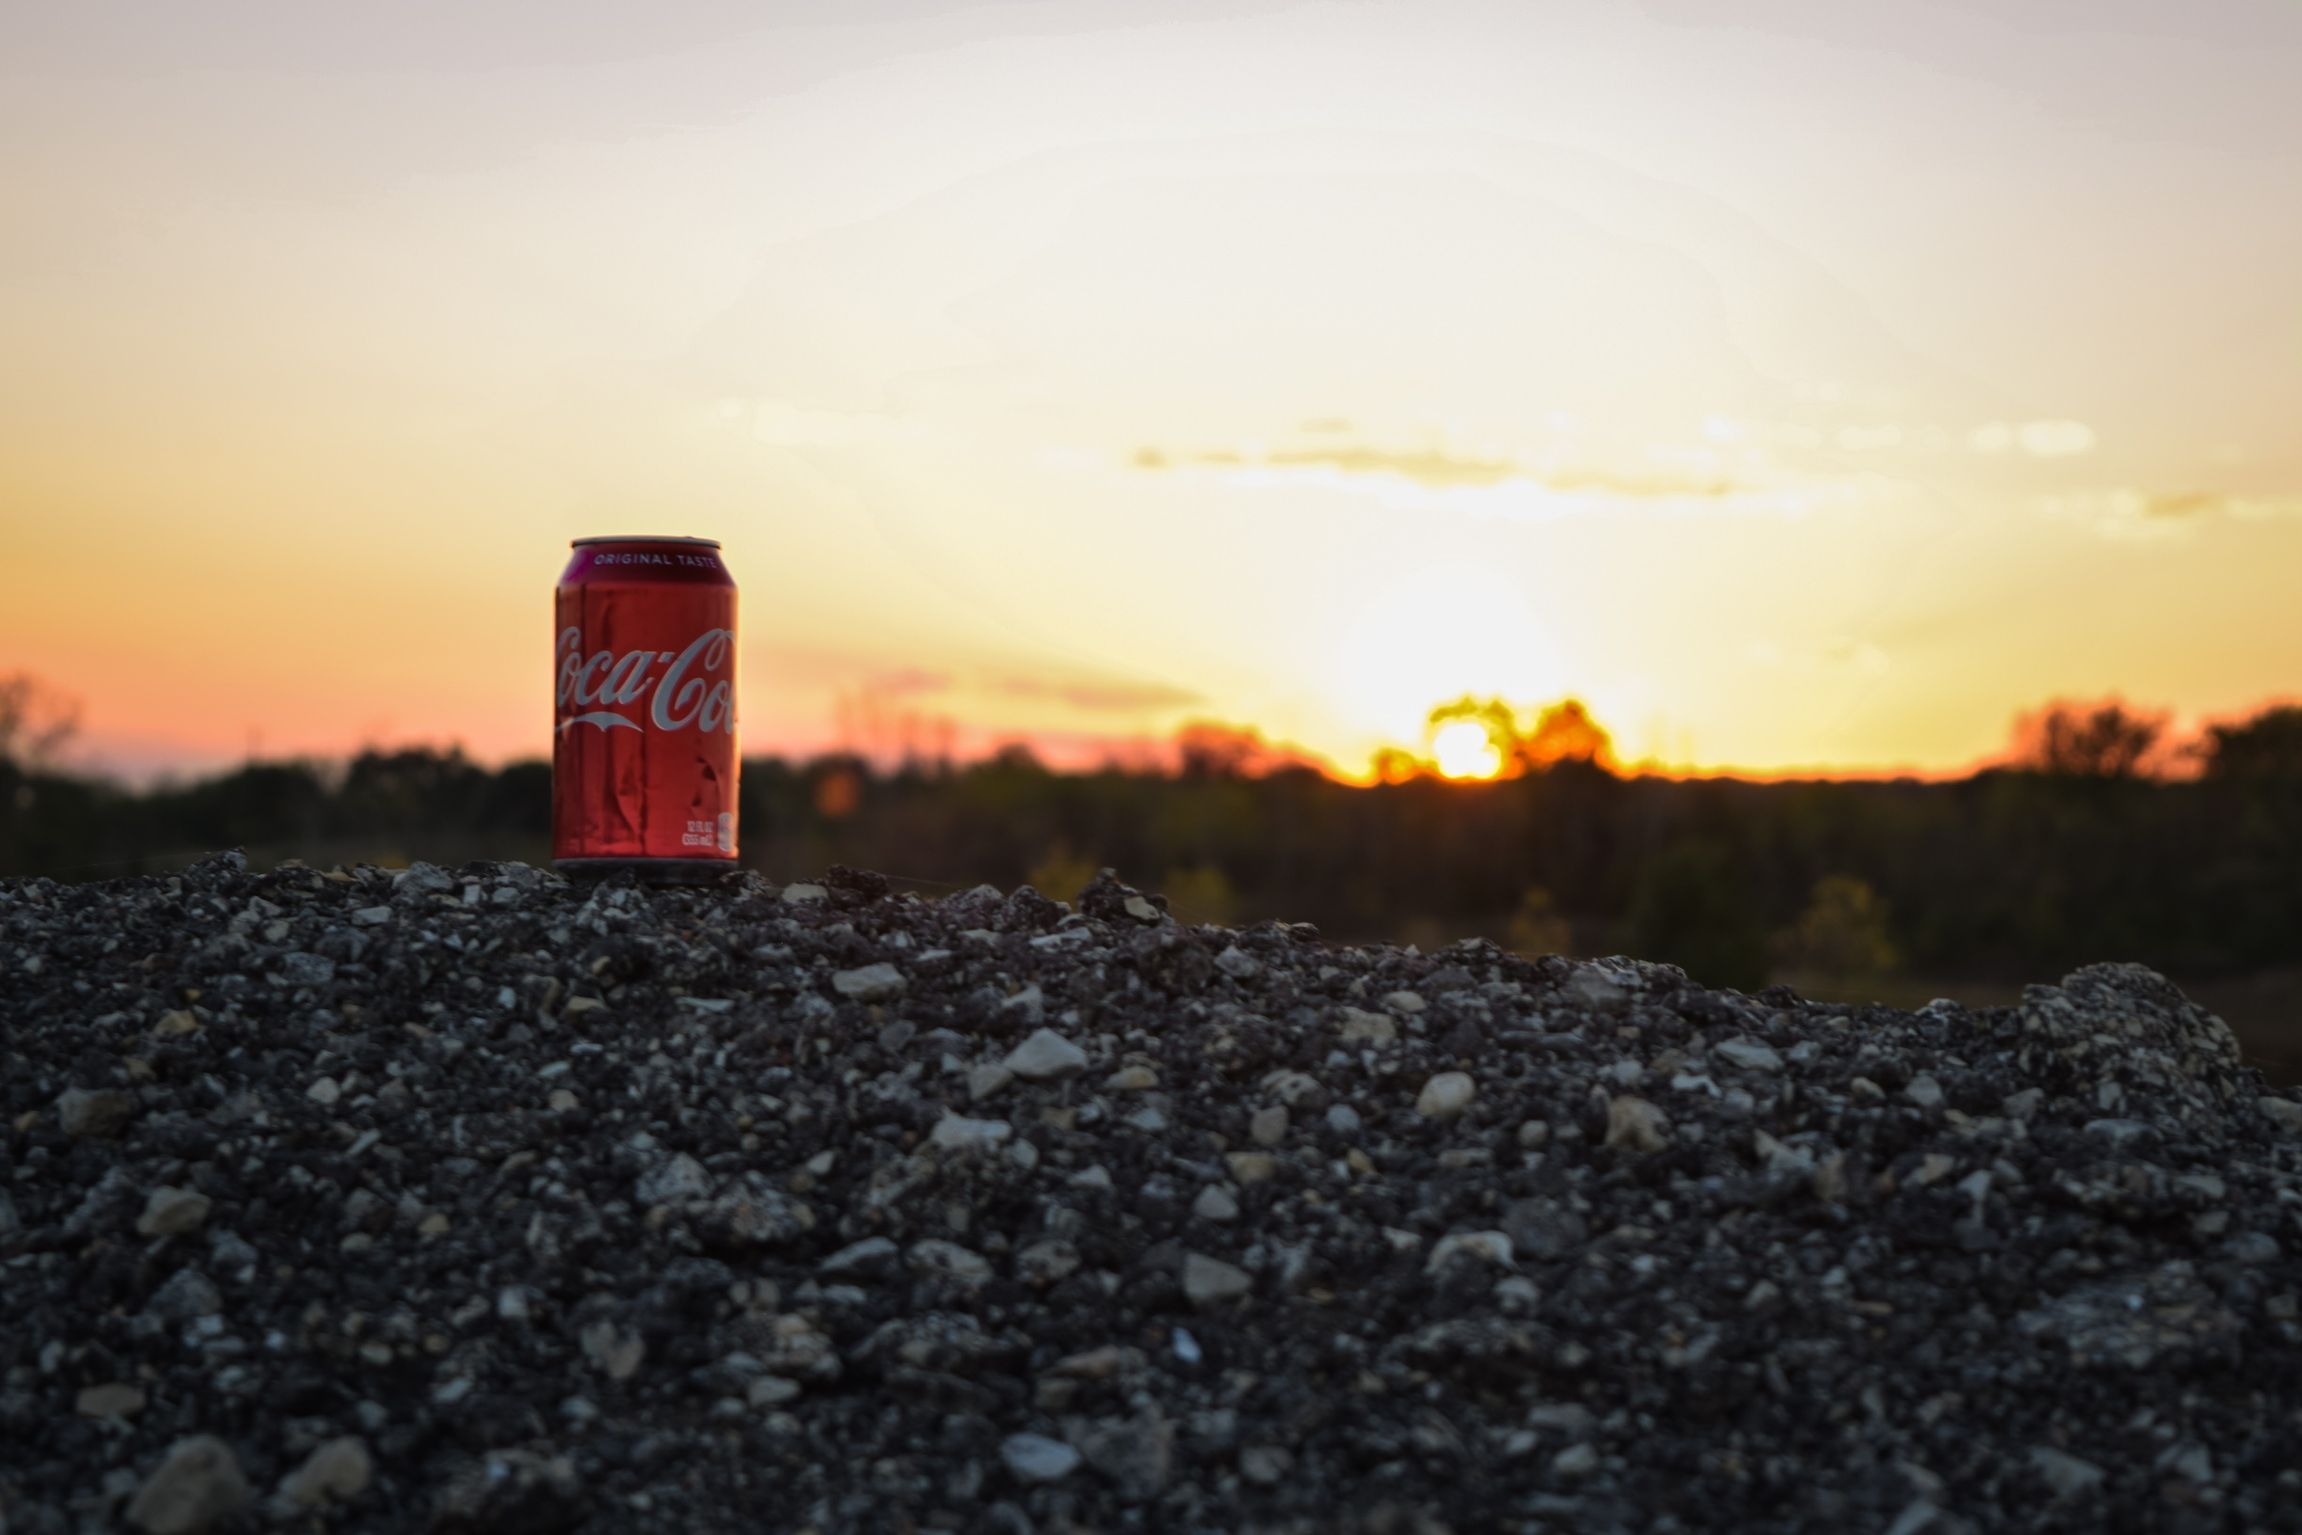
{"x":643,"y":740}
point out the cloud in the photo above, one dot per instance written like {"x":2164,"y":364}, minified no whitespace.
{"x":2039,"y":439}
{"x":2122,"y":515}
{"x":906,"y":682}
{"x":1098,"y":694}
{"x":1438,"y":469}
{"x":2180,"y":505}
{"x":2133,"y":516}
{"x":968,"y":681}
{"x":2187,"y":503}
{"x":2055,"y":439}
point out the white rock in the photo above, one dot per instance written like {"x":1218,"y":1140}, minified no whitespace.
{"x":1749,"y":1054}
{"x":1250,"y":1167}
{"x":871,"y":983}
{"x":335,"y":1472}
{"x":1932,"y":1169}
{"x":1043,"y":1263}
{"x":954,"y":1132}
{"x":370,"y":916}
{"x":949,"y":1259}
{"x":1268,"y":1126}
{"x":1635,"y":1125}
{"x":672,"y":1182}
{"x":1238,"y":964}
{"x":1917,"y":1515}
{"x":1215,"y":1204}
{"x":86,"y":1112}
{"x":171,"y":1212}
{"x":1046,"y":1057}
{"x":1036,"y":1458}
{"x":324,"y":1092}
{"x":1290,"y":1087}
{"x":1576,"y":1460}
{"x":869,"y":1253}
{"x":114,"y":1399}
{"x":2065,"y":1473}
{"x":1360,"y":1027}
{"x":1211,"y":1282}
{"x":197,"y":1486}
{"x":1924,"y":1091}
{"x":614,"y":1352}
{"x":770,"y":1390}
{"x":1778,"y":1157}
{"x":1446,"y":1095}
{"x":1593,"y":988}
{"x":1487,"y":1246}
{"x":805,"y":895}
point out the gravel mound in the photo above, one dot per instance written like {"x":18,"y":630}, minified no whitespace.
{"x":480,"y":1201}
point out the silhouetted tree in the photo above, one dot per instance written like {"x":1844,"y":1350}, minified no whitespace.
{"x":1565,"y":732}
{"x":1210,"y":749}
{"x":2267,"y":746}
{"x":35,"y":723}
{"x":2078,"y":740}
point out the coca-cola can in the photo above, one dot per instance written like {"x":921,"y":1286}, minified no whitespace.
{"x":643,"y":744}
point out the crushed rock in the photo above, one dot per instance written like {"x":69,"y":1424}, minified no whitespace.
{"x":632,"y":1209}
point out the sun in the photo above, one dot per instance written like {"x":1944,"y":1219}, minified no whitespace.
{"x":1463,"y":749}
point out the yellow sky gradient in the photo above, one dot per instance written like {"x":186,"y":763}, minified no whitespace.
{"x":1801,"y":384}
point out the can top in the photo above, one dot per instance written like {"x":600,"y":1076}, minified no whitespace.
{"x":642,"y":538}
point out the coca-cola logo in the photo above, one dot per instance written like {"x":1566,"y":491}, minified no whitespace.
{"x":684,"y":693}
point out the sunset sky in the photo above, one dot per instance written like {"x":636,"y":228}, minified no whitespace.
{"x":1802,"y":383}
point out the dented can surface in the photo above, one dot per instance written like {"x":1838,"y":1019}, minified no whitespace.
{"x":643,"y":733}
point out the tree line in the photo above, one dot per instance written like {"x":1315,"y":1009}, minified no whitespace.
{"x":2098,"y":839}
